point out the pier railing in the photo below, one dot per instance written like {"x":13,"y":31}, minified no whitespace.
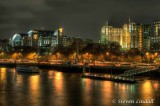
{"x":139,"y":71}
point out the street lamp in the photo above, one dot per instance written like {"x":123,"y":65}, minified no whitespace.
{"x":107,"y":55}
{"x":155,"y":54}
{"x":147,"y":55}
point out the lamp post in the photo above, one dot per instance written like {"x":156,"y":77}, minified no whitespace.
{"x":107,"y":55}
{"x":155,"y":56}
{"x":147,"y":55}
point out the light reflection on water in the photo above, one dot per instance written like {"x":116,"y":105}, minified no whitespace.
{"x":62,"y":89}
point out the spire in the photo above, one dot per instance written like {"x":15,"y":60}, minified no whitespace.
{"x":107,"y":23}
{"x":129,"y":20}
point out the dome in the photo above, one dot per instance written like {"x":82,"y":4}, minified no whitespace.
{"x":16,"y":40}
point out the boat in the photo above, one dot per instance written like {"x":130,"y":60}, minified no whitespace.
{"x":27,"y":69}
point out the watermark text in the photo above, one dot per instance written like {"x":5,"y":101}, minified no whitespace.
{"x":130,"y":101}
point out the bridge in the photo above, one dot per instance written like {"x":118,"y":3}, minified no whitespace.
{"x":139,"y":71}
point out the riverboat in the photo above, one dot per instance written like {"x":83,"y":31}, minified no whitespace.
{"x":27,"y":69}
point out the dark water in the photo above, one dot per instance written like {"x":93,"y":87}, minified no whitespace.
{"x":52,"y":88}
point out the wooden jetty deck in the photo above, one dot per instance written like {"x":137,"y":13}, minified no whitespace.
{"x":119,"y":79}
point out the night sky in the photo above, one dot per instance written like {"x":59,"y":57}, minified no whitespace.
{"x":79,"y":18}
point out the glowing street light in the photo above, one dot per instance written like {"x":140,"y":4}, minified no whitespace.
{"x":107,"y":53}
{"x":155,"y":54}
{"x":147,"y":55}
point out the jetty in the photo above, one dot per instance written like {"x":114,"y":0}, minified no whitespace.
{"x":137,"y":71}
{"x":119,"y":79}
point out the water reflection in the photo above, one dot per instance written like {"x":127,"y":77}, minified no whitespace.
{"x":62,"y":89}
{"x":156,"y":85}
{"x":2,"y":75}
{"x":147,"y":90}
{"x":58,"y":83}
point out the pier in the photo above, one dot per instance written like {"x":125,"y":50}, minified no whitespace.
{"x":137,"y":71}
{"x":119,"y":79}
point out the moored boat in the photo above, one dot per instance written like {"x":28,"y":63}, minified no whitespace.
{"x":27,"y":69}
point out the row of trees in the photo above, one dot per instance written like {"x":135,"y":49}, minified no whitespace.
{"x":95,"y":51}
{"x":83,"y":50}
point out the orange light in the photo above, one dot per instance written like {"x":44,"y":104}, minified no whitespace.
{"x":156,"y":54}
{"x":147,"y":53}
{"x":35,"y":36}
{"x":107,"y":53}
{"x":60,"y":30}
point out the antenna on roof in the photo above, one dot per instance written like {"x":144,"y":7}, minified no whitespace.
{"x":107,"y":23}
{"x":129,"y":20}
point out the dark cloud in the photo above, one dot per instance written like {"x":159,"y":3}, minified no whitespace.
{"x":82,"y":18}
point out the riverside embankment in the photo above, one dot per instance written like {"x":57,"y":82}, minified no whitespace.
{"x":80,"y":68}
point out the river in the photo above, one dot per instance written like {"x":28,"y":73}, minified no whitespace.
{"x":53,"y":88}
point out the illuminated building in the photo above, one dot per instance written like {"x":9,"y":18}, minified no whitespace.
{"x":130,"y":36}
{"x":110,"y":34}
{"x":66,"y":41}
{"x":60,"y":36}
{"x":20,"y":39}
{"x":133,"y":33}
{"x":126,"y":37}
{"x":147,"y":33}
{"x":106,"y":32}
{"x":140,"y":36}
{"x":120,"y":35}
{"x":155,"y":38}
{"x":117,"y":35}
{"x":40,"y":40}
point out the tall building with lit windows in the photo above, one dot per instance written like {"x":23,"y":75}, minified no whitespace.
{"x":117,"y":35}
{"x":120,"y":35}
{"x":140,"y":37}
{"x":111,"y":34}
{"x":133,"y":33}
{"x":155,"y":39}
{"x":147,"y":33}
{"x":126,"y":37}
{"x":106,"y":33}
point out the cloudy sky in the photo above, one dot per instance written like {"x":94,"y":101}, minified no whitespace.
{"x":80,"y":18}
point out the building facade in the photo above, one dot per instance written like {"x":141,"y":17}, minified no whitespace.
{"x":20,"y":39}
{"x":147,"y":33}
{"x":111,"y":34}
{"x":132,"y":27}
{"x":40,"y":40}
{"x":126,"y":38}
{"x":130,"y":36}
{"x":106,"y":33}
{"x":155,"y":38}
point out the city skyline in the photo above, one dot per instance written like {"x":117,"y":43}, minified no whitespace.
{"x":77,"y":17}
